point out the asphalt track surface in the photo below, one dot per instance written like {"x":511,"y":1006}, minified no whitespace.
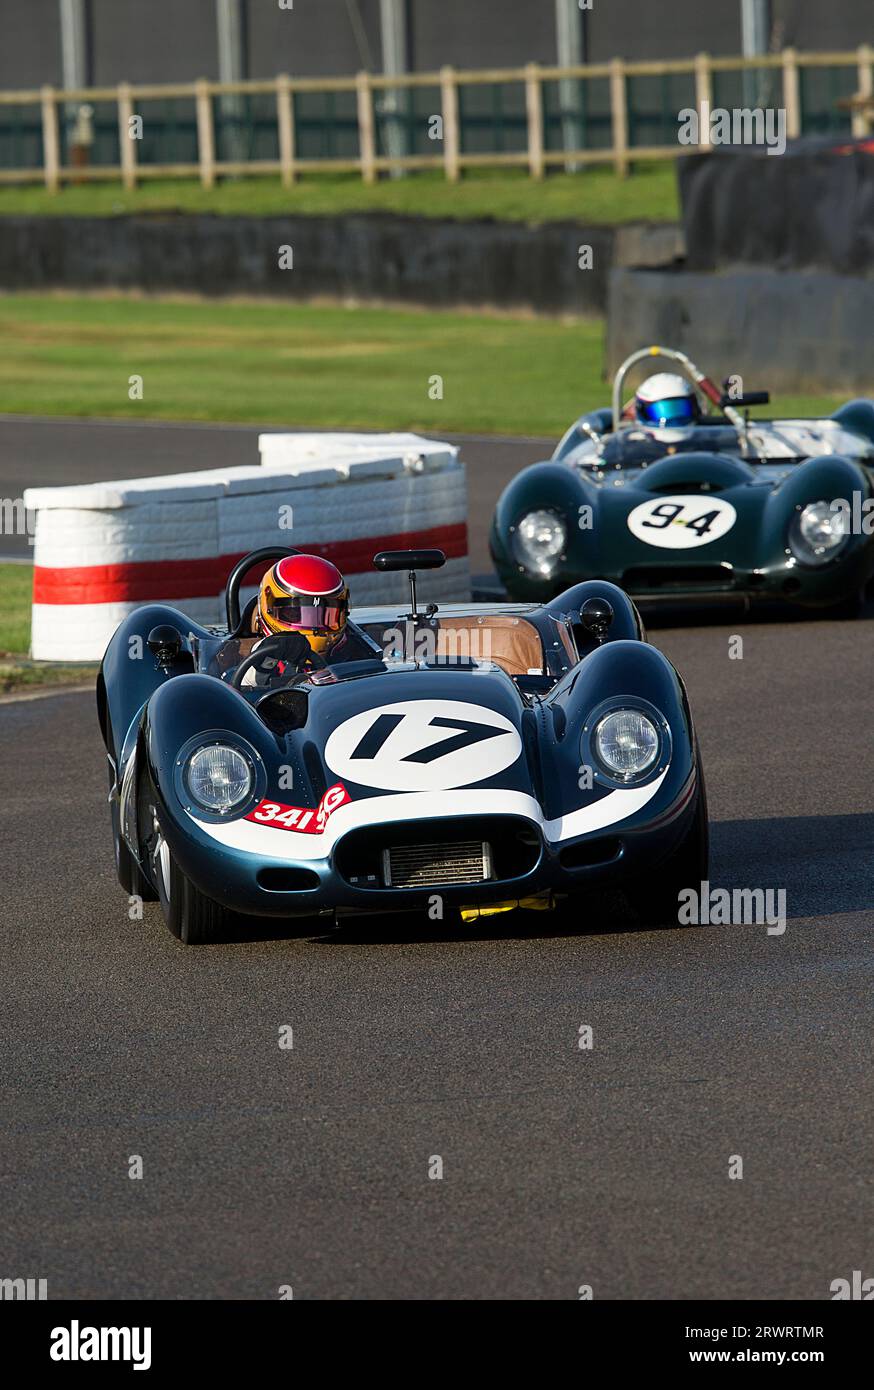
{"x":562,"y":1167}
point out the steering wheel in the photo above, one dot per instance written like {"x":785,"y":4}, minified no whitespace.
{"x":290,"y":647}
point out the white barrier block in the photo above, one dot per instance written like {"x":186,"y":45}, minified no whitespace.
{"x":101,"y":550}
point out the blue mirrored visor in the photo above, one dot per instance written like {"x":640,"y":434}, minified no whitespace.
{"x":678,"y":410}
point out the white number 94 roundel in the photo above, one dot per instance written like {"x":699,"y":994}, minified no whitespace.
{"x":679,"y":523}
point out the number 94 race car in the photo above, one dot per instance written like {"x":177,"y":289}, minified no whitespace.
{"x":678,"y":496}
{"x":482,"y":758}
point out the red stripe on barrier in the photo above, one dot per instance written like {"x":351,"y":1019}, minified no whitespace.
{"x":154,"y":581}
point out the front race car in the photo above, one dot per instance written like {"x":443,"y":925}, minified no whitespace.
{"x":564,"y":761}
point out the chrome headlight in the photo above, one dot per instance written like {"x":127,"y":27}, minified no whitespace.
{"x":817,"y":532}
{"x":538,"y":541}
{"x":627,"y":744}
{"x":218,"y":778}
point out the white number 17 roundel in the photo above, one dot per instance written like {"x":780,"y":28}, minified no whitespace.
{"x":423,"y":745}
{"x":678,"y":523}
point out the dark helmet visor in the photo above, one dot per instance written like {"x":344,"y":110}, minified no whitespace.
{"x":678,"y":410}
{"x":292,"y":613}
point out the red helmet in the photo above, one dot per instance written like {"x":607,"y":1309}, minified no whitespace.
{"x":304,"y":593}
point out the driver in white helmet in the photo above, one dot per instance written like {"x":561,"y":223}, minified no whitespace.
{"x":665,"y":401}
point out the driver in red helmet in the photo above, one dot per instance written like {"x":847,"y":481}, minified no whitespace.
{"x":307,"y":595}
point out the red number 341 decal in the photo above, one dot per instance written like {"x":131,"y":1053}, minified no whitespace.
{"x":302,"y":819}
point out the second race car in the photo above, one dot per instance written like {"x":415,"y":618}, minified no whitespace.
{"x":679,"y":496}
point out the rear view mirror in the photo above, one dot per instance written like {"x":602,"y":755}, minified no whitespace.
{"x":165,"y":644}
{"x":409,"y":560}
{"x":748,"y":398}
{"x":596,"y":615}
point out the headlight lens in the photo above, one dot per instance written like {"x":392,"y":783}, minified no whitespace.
{"x":539,"y":540}
{"x":218,"y":778}
{"x":817,"y":532}
{"x":627,"y":743}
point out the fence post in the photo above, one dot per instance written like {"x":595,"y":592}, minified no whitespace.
{"x":205,"y":135}
{"x":366,"y":141}
{"x":449,"y":109}
{"x":285,"y":124}
{"x":861,"y":115}
{"x":127,"y":146}
{"x":703,"y":96}
{"x":534,"y":111}
{"x":51,"y":143}
{"x":619,"y":116}
{"x":791,"y":93}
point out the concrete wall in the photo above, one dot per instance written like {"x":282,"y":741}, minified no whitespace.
{"x":162,"y":41}
{"x":315,"y":39}
{"x":806,"y":211}
{"x":30,"y":43}
{"x":481,"y":33}
{"x":791,"y":331}
{"x":165,"y":40}
{"x":632,"y":29}
{"x":366,"y":257}
{"x":811,"y":24}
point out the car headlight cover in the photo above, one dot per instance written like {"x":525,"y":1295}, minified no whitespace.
{"x":817,"y":532}
{"x":627,"y":743}
{"x":218,"y":778}
{"x":538,"y":541}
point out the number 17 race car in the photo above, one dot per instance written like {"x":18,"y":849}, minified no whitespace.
{"x":474,"y":759}
{"x":678,"y":496}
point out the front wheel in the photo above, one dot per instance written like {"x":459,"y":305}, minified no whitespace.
{"x":847,"y":610}
{"x":656,"y":898}
{"x":191,"y":916}
{"x":130,"y":875}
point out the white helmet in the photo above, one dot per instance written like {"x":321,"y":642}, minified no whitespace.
{"x":666,"y":399}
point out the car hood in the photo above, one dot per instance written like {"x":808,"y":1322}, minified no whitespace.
{"x":778,"y":442}
{"x":694,"y":509}
{"x":426,"y":729}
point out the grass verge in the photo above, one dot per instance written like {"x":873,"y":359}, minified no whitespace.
{"x":17,"y":671}
{"x":19,"y":675}
{"x":305,"y":365}
{"x":593,"y":195}
{"x":16,"y":585}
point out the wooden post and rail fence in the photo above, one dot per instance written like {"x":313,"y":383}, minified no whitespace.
{"x":449,"y":84}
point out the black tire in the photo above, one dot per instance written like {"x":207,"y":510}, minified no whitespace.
{"x":847,"y":610}
{"x":130,"y":875}
{"x":656,"y":900}
{"x":192,"y":917}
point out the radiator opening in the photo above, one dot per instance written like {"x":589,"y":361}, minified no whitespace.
{"x":287,"y":880}
{"x":431,"y":854}
{"x":588,"y":853}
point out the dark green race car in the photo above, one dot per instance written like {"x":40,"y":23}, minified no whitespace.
{"x":716,"y":508}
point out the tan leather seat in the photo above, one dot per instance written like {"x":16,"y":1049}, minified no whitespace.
{"x":511,"y":643}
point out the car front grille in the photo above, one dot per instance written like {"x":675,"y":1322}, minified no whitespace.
{"x":437,"y":865}
{"x":451,"y":852}
{"x":663,"y":578}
